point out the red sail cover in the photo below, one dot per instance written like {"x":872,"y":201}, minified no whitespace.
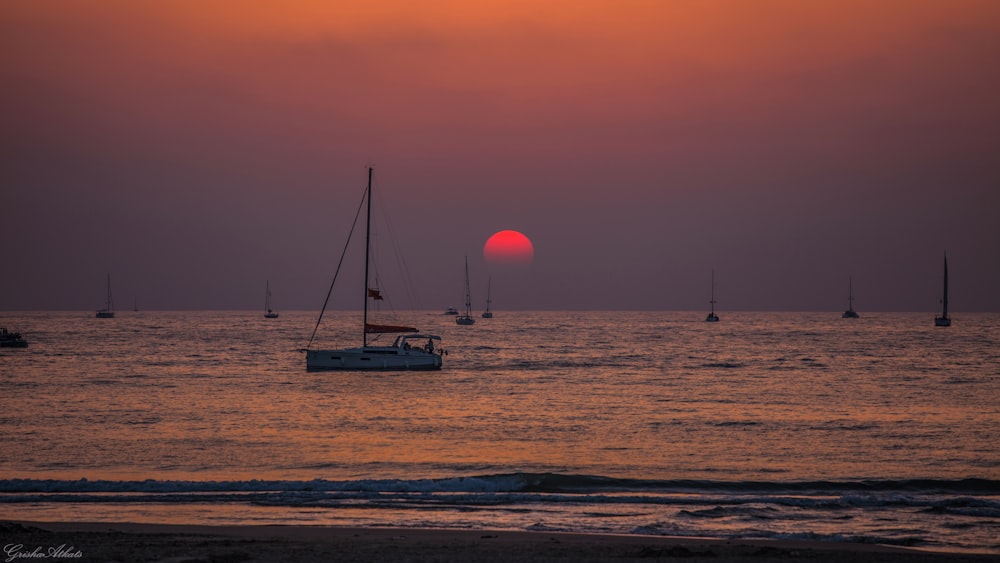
{"x":379,"y":329}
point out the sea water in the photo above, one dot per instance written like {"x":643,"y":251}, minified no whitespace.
{"x":882,"y":429}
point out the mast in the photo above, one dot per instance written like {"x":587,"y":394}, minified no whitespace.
{"x":468,"y":296}
{"x":944,"y":302}
{"x":850,"y":294}
{"x":489,"y":293}
{"x":713,"y":293}
{"x":108,"y":304}
{"x":368,"y":234}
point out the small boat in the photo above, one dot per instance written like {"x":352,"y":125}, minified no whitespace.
{"x":944,"y":319}
{"x":268,"y":312}
{"x":466,"y":319}
{"x":850,"y":313}
{"x":12,"y":339}
{"x":406,"y":352}
{"x":712,"y":317}
{"x":487,"y":314}
{"x":451,"y":311}
{"x":108,"y":312}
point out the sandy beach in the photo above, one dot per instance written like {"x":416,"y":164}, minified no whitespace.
{"x":78,"y":541}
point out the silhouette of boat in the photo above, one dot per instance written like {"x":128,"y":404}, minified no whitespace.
{"x":850,"y":313}
{"x":268,"y":312}
{"x":487,"y":314}
{"x":12,"y":339}
{"x":712,"y":317}
{"x":944,"y":319}
{"x":466,"y":319}
{"x":108,"y":312}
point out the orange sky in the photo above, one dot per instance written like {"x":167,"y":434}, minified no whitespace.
{"x":727,"y":107}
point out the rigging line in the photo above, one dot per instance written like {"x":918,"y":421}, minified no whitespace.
{"x":335,"y":274}
{"x":379,"y":239}
{"x":400,"y":259}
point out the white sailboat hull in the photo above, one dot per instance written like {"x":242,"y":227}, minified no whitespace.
{"x":373,"y":358}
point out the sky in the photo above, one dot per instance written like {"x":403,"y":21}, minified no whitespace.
{"x":197,"y":150}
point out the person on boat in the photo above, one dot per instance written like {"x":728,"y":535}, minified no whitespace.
{"x":430,"y":346}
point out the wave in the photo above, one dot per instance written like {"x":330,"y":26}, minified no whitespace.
{"x":819,"y":510}
{"x":544,"y":483}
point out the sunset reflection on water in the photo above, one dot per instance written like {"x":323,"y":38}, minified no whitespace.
{"x":652,"y":395}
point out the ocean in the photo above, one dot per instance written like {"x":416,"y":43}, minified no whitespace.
{"x":883,"y":429}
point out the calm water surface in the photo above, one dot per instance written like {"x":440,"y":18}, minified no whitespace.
{"x":880,"y":429}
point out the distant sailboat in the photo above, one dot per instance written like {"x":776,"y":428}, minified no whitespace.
{"x":12,"y":339}
{"x":850,"y":313}
{"x":944,"y":320}
{"x":268,"y":313}
{"x":466,"y":319}
{"x":487,"y":314}
{"x":712,"y":317}
{"x":108,"y":312}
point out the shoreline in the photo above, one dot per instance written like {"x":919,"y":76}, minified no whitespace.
{"x":197,"y":543}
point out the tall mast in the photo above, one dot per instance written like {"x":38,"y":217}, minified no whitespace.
{"x":713,"y":292}
{"x":850,"y":294}
{"x":108,"y":303}
{"x":468,"y":296}
{"x":368,"y":233}
{"x":944,"y":311}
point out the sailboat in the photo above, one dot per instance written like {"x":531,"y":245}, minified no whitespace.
{"x":466,"y":319}
{"x":944,"y":320}
{"x":487,"y":314}
{"x":108,"y":312}
{"x":11,"y":339}
{"x":407,"y":352}
{"x":850,"y":313}
{"x":712,"y":317}
{"x":268,"y":313}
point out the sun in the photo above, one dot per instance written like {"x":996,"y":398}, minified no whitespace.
{"x":509,"y":248}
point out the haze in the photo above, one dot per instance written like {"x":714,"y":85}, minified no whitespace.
{"x":196,"y":150}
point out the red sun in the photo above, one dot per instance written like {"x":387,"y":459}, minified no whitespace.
{"x":508,"y":248}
